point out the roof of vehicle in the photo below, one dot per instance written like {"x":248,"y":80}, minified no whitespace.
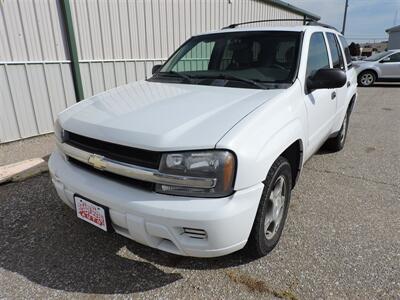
{"x":294,"y":28}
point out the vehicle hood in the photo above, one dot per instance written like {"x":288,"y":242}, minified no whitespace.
{"x":361,"y":65}
{"x":163,"y":116}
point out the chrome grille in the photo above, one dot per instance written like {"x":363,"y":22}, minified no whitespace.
{"x":126,"y":154}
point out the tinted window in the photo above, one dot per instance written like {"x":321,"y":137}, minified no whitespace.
{"x":257,"y":53}
{"x":336,"y":52}
{"x":377,"y":56}
{"x":395,"y":57}
{"x":346,"y":51}
{"x":268,"y":58}
{"x":197,"y":59}
{"x":317,"y":54}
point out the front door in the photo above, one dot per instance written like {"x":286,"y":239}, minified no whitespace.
{"x":320,"y":104}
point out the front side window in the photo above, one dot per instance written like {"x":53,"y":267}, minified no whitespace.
{"x":317,"y":54}
{"x":395,"y":57}
{"x":259,"y":59}
{"x":377,"y":56}
{"x":336,"y":52}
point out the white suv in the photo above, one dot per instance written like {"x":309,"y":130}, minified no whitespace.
{"x":201,"y":158}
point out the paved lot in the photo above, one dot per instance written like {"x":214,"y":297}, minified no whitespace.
{"x":342,"y":238}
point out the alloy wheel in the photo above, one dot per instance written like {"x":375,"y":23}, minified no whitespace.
{"x":367,"y":79}
{"x":276,"y":206}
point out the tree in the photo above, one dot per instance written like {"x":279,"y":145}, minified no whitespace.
{"x":354,"y":49}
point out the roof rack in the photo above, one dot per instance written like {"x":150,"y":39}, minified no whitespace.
{"x":261,"y":21}
{"x":307,"y":22}
{"x":315,"y":23}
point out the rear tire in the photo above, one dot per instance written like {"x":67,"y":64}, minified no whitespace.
{"x":366,"y":78}
{"x":272,"y":210}
{"x":336,"y":143}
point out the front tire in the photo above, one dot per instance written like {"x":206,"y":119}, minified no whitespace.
{"x":272,"y":210}
{"x":366,"y":78}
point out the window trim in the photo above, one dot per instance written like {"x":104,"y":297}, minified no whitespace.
{"x":349,"y":65}
{"x":339,"y":51}
{"x":341,"y":54}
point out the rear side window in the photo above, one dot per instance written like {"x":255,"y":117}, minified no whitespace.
{"x":317,"y":54}
{"x":336,"y":52}
{"x":346,"y":51}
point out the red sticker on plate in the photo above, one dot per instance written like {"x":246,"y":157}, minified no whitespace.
{"x":91,"y":213}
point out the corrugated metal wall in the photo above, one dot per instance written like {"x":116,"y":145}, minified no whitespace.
{"x":35,"y":76}
{"x":118,"y":41}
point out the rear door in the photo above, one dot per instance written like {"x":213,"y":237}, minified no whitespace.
{"x":337,"y":58}
{"x":321,"y":103}
{"x":390,"y":66}
{"x":351,"y":85}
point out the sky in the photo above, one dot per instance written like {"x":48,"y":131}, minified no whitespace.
{"x":366,"y":19}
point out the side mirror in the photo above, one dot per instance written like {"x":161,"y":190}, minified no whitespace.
{"x":156,"y":68}
{"x":326,"y":79}
{"x":385,"y":60}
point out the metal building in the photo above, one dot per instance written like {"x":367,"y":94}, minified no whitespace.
{"x":50,"y":49}
{"x":394,"y":37}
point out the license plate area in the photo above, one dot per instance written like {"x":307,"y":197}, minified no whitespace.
{"x":93,"y":213}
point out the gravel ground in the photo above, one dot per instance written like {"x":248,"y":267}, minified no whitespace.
{"x":341,"y":240}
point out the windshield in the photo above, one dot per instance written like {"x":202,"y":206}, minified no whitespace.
{"x":262,"y":59}
{"x":378,"y":56}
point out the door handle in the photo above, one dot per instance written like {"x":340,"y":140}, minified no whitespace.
{"x":348,"y":83}
{"x":333,"y":95}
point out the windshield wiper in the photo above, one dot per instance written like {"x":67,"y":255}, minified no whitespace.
{"x":177,"y":74}
{"x":237,"y":78}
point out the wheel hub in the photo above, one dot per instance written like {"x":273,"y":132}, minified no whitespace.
{"x":367,"y":79}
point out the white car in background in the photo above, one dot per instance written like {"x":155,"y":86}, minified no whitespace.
{"x":201,"y":158}
{"x":384,"y":66}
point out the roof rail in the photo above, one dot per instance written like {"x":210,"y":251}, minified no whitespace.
{"x":315,"y":23}
{"x":268,"y":20}
{"x":307,"y":22}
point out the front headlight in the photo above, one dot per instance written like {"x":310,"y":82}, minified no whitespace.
{"x":218,"y":165}
{"x":58,"y":132}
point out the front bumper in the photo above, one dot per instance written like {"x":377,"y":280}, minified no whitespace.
{"x":158,"y":220}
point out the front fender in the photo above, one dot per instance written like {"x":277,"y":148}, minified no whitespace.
{"x":254,"y":165}
{"x":265,"y":134}
{"x":371,"y":67}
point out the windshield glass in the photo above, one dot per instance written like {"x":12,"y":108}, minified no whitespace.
{"x":378,"y":56}
{"x":261,"y":59}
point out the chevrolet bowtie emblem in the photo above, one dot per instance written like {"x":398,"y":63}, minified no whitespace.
{"x":97,"y":161}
